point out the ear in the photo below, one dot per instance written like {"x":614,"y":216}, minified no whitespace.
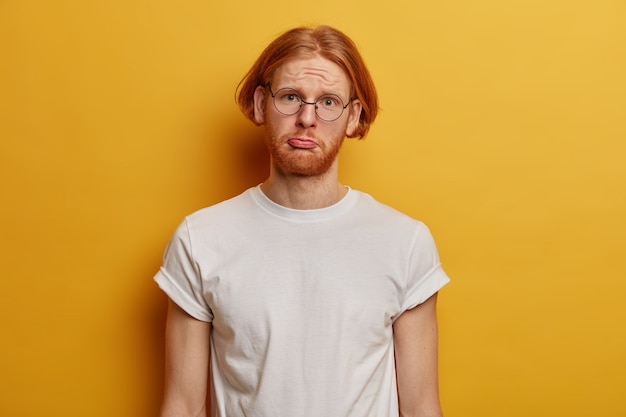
{"x":259,"y":105}
{"x":353,"y":117}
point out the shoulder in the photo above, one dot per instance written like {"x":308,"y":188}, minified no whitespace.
{"x":390,"y":223}
{"x":219,"y":212}
{"x":381,"y":212}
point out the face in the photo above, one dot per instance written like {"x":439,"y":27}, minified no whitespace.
{"x":302,"y":144}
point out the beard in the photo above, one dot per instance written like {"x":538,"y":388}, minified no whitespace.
{"x":302,"y":162}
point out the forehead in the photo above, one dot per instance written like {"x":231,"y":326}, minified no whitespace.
{"x":311,"y":72}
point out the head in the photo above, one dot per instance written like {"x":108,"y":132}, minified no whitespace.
{"x":304,"y":43}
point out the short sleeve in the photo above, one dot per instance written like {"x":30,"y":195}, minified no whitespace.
{"x":425,"y":273}
{"x":179,"y":276}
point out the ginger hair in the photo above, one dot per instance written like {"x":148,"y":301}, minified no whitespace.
{"x":323,"y":41}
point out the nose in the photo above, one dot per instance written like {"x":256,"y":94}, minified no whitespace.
{"x":307,"y":116}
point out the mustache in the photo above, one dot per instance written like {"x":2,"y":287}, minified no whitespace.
{"x":301,"y":133}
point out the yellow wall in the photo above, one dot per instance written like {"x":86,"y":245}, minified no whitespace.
{"x":502,"y":128}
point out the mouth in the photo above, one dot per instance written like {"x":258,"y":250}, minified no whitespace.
{"x":302,"y":143}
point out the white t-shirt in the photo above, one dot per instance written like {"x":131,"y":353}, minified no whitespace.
{"x":301,"y":302}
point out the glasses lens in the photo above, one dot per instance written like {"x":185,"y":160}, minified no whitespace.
{"x":287,"y":101}
{"x":329,"y":107}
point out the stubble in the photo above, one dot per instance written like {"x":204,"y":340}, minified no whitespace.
{"x":302,"y":162}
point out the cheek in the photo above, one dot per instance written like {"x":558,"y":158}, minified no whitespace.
{"x":348,"y":128}
{"x":276,"y":127}
{"x":273,"y":123}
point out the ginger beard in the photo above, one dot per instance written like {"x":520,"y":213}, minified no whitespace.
{"x":302,"y":162}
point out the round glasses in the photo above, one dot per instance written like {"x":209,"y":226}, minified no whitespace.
{"x":288,"y":101}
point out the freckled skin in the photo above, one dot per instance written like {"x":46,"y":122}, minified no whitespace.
{"x":312,"y":77}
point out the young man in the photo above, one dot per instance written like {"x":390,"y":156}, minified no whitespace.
{"x":302,"y":296}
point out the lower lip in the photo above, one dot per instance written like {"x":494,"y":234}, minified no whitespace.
{"x":302,"y":144}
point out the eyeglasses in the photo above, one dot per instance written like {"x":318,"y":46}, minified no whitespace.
{"x":288,"y":101}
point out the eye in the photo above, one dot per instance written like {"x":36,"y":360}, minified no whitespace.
{"x":289,"y":97}
{"x":329,"y":101}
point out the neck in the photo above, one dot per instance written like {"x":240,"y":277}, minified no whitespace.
{"x":304,"y":192}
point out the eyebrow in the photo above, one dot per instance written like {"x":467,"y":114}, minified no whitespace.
{"x":325,"y":93}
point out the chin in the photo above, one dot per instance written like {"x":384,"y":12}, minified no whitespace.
{"x":302,"y":163}
{"x":304,"y":171}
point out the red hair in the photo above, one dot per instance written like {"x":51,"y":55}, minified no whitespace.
{"x":326,"y":42}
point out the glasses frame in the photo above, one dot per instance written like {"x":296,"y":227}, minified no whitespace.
{"x":314,"y":103}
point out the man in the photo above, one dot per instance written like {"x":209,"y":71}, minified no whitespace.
{"x":302,"y":296}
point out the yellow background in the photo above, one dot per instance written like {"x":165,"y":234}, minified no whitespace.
{"x":502,"y":127}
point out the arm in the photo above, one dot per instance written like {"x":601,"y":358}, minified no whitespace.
{"x":186,"y":364}
{"x":415,"y":339}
